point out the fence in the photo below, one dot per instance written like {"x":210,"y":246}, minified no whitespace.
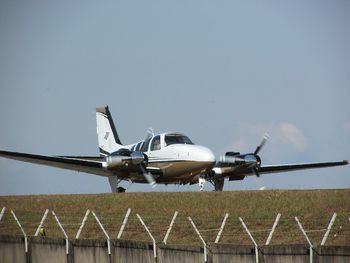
{"x":286,"y":231}
{"x":203,"y":236}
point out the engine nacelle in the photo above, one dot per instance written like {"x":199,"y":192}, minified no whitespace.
{"x":237,"y":158}
{"x":124,"y":157}
{"x":232,"y":158}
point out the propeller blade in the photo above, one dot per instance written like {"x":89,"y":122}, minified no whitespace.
{"x":259,"y":183}
{"x":148,"y":176}
{"x":150,"y":179}
{"x":256,"y":172}
{"x":264,"y":140}
{"x":149,"y":134}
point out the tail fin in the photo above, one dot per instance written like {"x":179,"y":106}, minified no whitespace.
{"x":108,"y":139}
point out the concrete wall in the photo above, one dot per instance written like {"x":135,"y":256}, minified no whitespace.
{"x":333,"y":254}
{"x":47,"y":249}
{"x":167,"y":254}
{"x":12,"y":249}
{"x":86,"y":251}
{"x":132,"y":251}
{"x":54,"y":250}
{"x":230,"y":253}
{"x":282,"y":253}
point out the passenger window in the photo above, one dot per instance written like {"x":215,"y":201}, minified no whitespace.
{"x":155,"y":143}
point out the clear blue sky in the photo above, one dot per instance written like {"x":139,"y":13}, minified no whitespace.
{"x":222,"y":72}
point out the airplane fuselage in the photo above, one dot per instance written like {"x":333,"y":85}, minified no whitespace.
{"x":179,"y":160}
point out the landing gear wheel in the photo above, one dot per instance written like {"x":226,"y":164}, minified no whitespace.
{"x":121,"y":189}
{"x":219,"y":184}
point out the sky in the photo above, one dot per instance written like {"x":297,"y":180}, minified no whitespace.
{"x":222,"y":72}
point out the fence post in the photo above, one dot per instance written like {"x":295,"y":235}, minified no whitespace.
{"x":2,"y":212}
{"x":199,"y":234}
{"x":307,"y":239}
{"x":104,"y":231}
{"x":252,"y":239}
{"x":273,"y":229}
{"x":64,"y":232}
{"x":170,"y":227}
{"x":324,"y":239}
{"x":221,"y":228}
{"x":24,"y":233}
{"x":41,"y":222}
{"x":82,"y":224}
{"x":149,"y":233}
{"x":124,"y":223}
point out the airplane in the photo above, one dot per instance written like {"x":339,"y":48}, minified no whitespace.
{"x":165,"y":158}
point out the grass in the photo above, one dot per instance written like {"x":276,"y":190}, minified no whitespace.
{"x":257,"y":208}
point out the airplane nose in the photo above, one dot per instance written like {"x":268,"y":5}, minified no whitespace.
{"x":206,"y":155}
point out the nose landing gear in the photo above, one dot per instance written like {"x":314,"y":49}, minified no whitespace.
{"x":201,"y":183}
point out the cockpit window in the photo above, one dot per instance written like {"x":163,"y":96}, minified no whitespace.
{"x":144,"y":147}
{"x":155,"y":145}
{"x":176,"y":139}
{"x":138,"y":146}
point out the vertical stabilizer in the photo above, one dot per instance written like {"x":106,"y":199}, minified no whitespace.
{"x":108,"y":139}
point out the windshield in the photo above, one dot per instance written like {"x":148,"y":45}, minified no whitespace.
{"x":176,"y":139}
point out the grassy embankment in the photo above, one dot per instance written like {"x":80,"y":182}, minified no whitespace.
{"x":257,"y":208}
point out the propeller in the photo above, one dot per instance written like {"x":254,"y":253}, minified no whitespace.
{"x":264,"y":140}
{"x":256,"y":172}
{"x":148,"y":176}
{"x":259,"y":184}
{"x":257,"y":150}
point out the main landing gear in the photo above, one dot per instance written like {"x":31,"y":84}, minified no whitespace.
{"x":217,"y":183}
{"x":113,"y":182}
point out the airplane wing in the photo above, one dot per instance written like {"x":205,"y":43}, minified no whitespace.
{"x":238,"y":172}
{"x":92,"y":165}
{"x":301,"y":166}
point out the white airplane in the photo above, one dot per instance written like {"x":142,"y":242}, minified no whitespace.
{"x":166,"y":158}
